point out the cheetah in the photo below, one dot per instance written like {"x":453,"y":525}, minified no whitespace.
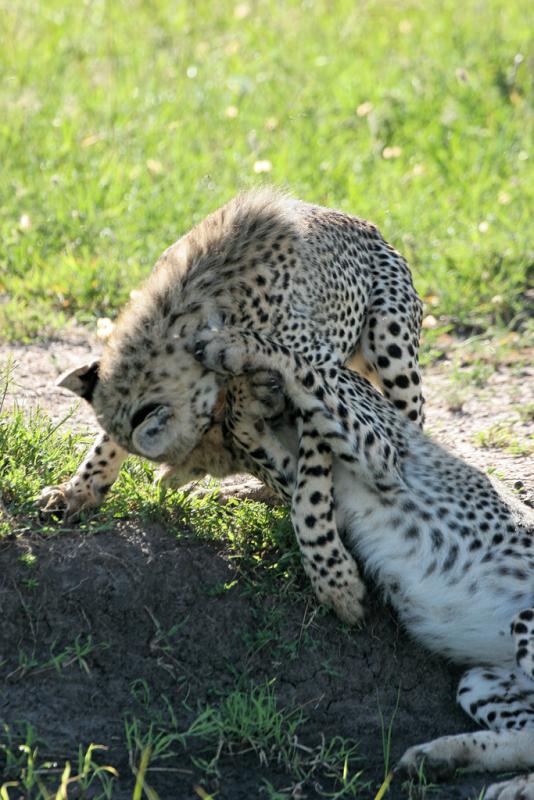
{"x":324,"y":284}
{"x":452,"y":550}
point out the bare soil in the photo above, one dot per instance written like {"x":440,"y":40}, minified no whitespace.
{"x":124,"y":587}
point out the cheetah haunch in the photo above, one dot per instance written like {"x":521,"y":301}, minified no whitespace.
{"x":321,"y":283}
{"x":452,"y":550}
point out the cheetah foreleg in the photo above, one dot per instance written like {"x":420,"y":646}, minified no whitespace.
{"x":89,"y":485}
{"x":308,"y":482}
{"x":332,"y":570}
{"x":348,"y":412}
{"x":231,"y":352}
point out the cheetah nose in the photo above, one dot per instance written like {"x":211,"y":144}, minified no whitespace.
{"x":142,"y":413}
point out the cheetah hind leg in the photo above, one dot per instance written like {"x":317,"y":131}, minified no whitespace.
{"x":390,"y":344}
{"x":499,"y":699}
{"x":521,"y":788}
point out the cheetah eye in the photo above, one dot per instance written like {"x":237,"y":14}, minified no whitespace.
{"x":142,"y":413}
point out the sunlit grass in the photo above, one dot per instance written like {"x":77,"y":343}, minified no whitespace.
{"x":121,"y":124}
{"x":35,"y":452}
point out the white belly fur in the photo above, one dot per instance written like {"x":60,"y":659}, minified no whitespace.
{"x":439,"y":610}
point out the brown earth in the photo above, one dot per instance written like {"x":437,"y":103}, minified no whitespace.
{"x":125,"y":587}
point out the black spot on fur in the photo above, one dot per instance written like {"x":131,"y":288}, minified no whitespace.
{"x":394,"y":351}
{"x":402,"y":381}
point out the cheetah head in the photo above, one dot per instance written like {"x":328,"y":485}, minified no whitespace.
{"x":157,"y":402}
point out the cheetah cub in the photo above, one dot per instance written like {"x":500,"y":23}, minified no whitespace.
{"x":452,"y":550}
{"x":321,"y":283}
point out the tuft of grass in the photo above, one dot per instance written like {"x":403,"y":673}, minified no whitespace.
{"x":501,"y":437}
{"x":76,"y":653}
{"x":476,"y":375}
{"x":258,"y":539}
{"x":419,"y":788}
{"x":29,"y":773}
{"x":245,"y":721}
{"x":474,"y":356}
{"x":33,"y":453}
{"x":387,"y":734}
{"x":526,"y":412}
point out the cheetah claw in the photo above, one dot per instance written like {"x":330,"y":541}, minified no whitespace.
{"x":61,"y":501}
{"x":220,"y":351}
{"x":267,"y":390}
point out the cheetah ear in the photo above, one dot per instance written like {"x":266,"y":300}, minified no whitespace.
{"x":151,"y":435}
{"x":81,"y":381}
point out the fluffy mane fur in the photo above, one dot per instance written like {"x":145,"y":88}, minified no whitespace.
{"x":201,"y":266}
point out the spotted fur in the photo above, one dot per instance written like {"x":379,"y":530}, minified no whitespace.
{"x":452,"y":550}
{"x":324,"y":284}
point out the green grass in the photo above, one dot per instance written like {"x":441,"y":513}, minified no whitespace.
{"x":501,"y":436}
{"x":26,"y":772}
{"x":75,"y":653}
{"x":244,"y":722}
{"x":35,"y":452}
{"x":122,"y":124}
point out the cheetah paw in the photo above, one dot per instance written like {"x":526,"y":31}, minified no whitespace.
{"x":431,"y":758}
{"x":64,"y":501}
{"x":521,"y":788}
{"x":221,"y":351}
{"x":346,"y":602}
{"x":268,"y":392}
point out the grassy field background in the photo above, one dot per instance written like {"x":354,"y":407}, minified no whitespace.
{"x":123,"y":123}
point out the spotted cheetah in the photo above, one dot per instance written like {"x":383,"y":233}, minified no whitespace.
{"x":452,"y":550}
{"x":323,"y":284}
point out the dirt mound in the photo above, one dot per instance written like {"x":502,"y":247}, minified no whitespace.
{"x":123,"y":638}
{"x":151,"y":618}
